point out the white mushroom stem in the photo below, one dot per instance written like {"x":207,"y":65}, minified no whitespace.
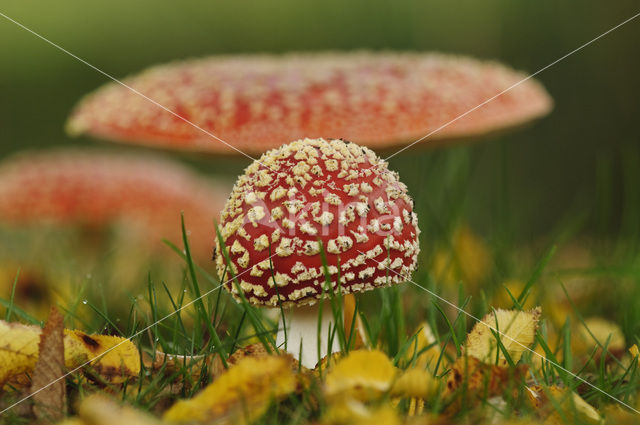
{"x":302,"y":329}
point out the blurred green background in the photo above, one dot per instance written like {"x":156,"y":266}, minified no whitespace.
{"x":579,"y":162}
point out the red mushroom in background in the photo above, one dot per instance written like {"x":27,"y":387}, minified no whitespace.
{"x":298,"y":196}
{"x":96,"y":189}
{"x":376,"y":99}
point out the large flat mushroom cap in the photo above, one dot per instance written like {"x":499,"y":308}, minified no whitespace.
{"x":309,"y":192}
{"x":96,"y":188}
{"x":259,"y":102}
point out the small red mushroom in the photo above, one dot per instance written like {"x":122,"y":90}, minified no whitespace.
{"x":304,"y":194}
{"x":376,"y":99}
{"x":95,"y":189}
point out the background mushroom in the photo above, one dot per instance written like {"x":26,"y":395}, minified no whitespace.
{"x":376,"y":99}
{"x":95,"y":189}
{"x":298,"y":196}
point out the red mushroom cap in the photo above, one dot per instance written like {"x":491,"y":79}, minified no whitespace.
{"x":376,"y":99}
{"x":312,"y":191}
{"x":98,"y":188}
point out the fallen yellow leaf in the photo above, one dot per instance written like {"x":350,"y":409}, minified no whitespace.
{"x":98,"y":409}
{"x":426,"y":350}
{"x":603,"y":331}
{"x":114,"y":358}
{"x":241,"y":394}
{"x":415,"y":383}
{"x":350,"y":412}
{"x":516,"y":331}
{"x":362,"y":375}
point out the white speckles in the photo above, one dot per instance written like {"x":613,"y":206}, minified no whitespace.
{"x":300,"y":169}
{"x":243,"y":261}
{"x":277,"y":193}
{"x":339,"y":244}
{"x":251,"y":198}
{"x":393,"y":192}
{"x":392,"y":243}
{"x":359,"y":260}
{"x":367,"y":273}
{"x":316,"y":192}
{"x":381,"y":206}
{"x":287,"y":224}
{"x":315,"y":208}
{"x":248,"y":287}
{"x":242,"y":232}
{"x":406,"y":216}
{"x":276,"y":214}
{"x":237,"y":248}
{"x":256,"y":271}
{"x":275,"y":236}
{"x":333,"y":199}
{"x":324,"y":219}
{"x":397,"y":224}
{"x":255,"y":214}
{"x":298,"y":267}
{"x":351,"y":189}
{"x":285,"y":248}
{"x":373,"y":226}
{"x":360,"y":237}
{"x":347,"y":215}
{"x":308,"y":228}
{"x":231,"y":227}
{"x":311,"y":248}
{"x":396,"y":263}
{"x":302,"y":292}
{"x":281,"y":279}
{"x":362,"y":208}
{"x":366,"y":187}
{"x":316,"y":170}
{"x":260,"y":243}
{"x":331,"y":165}
{"x":263,"y":178}
{"x":374,"y":252}
{"x":381,"y":280}
{"x":293,"y":205}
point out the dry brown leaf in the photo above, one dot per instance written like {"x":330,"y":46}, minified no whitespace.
{"x":559,"y":406}
{"x":480,"y":381}
{"x":516,"y":330}
{"x":47,"y":382}
{"x":114,"y":358}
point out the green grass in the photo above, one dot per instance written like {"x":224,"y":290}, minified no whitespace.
{"x":215,"y":325}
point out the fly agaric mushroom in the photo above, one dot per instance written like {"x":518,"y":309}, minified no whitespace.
{"x":299,"y":196}
{"x":376,"y":99}
{"x":95,"y":189}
